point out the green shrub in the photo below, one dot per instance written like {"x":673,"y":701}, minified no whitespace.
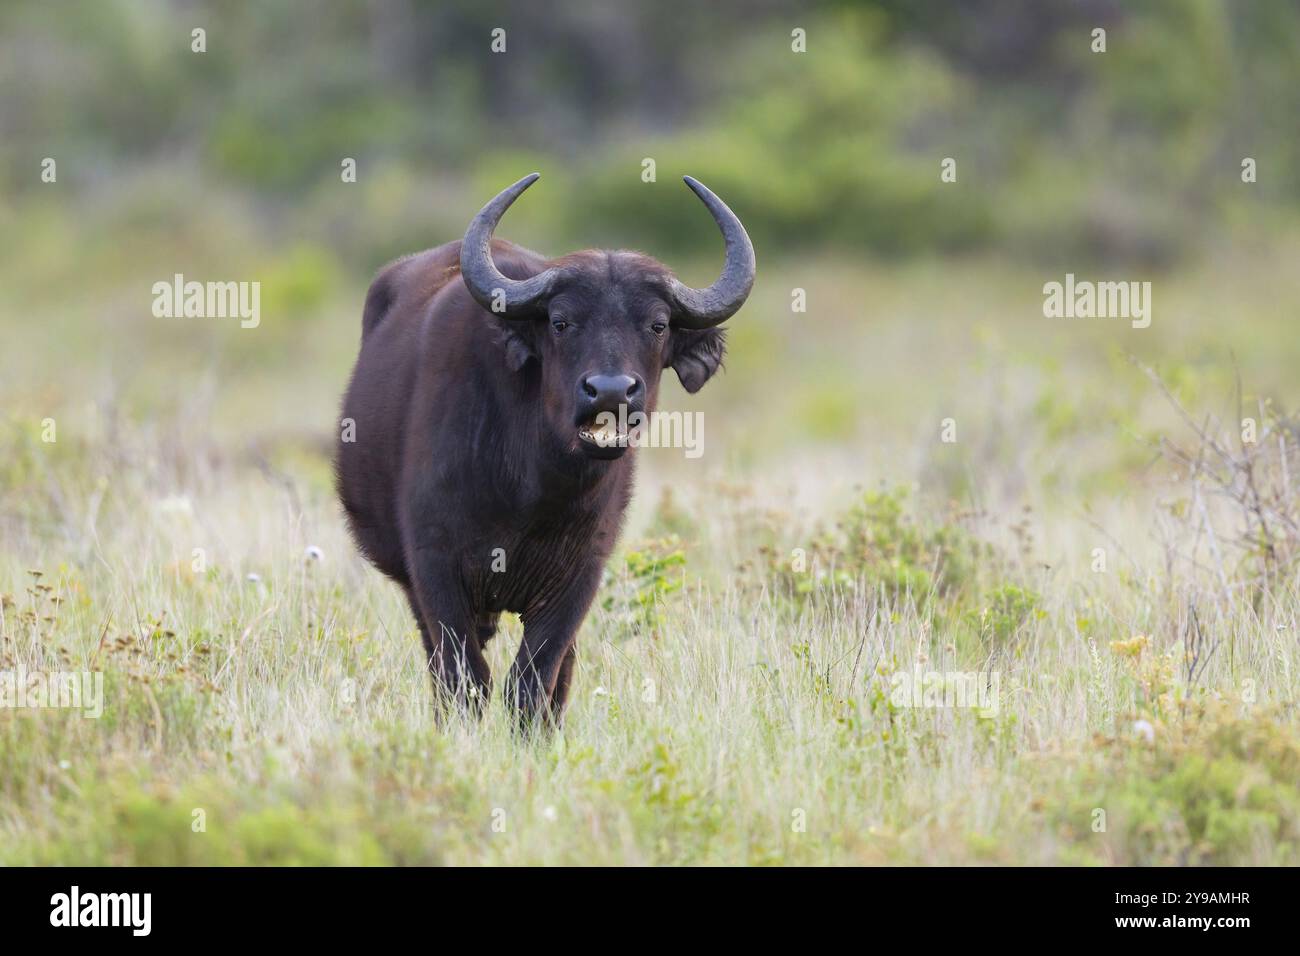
{"x":1216,"y":787}
{"x":651,"y":572}
{"x":878,"y":544}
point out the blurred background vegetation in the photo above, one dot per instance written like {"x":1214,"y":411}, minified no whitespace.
{"x":226,"y":165}
{"x":1130,"y":154}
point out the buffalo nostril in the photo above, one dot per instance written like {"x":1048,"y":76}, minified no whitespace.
{"x":610,"y":389}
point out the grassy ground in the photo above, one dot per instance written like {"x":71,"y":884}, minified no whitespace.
{"x":736,"y":691}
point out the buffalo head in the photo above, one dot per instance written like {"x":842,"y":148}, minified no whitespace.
{"x":602,"y":326}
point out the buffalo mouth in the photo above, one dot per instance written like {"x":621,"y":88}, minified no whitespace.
{"x":601,"y":437}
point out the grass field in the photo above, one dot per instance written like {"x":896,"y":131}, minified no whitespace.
{"x":737,"y":688}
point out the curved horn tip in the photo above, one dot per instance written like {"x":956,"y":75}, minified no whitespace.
{"x":514,"y":189}
{"x":480,"y":274}
{"x":706,"y":308}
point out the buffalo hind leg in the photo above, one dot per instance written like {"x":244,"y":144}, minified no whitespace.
{"x":485,"y":626}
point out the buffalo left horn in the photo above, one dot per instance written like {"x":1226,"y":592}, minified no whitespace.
{"x":705,"y":308}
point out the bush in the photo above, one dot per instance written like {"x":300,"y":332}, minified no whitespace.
{"x":1215,"y":788}
{"x":877,"y":544}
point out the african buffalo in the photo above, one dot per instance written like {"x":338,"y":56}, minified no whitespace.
{"x":472,"y":471}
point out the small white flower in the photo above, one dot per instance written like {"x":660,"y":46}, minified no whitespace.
{"x":254,"y":578}
{"x":313,"y":553}
{"x":601,"y":692}
{"x":65,"y":765}
{"x":550,"y":814}
{"x":1144,"y":730}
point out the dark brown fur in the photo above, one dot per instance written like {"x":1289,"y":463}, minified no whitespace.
{"x":466,"y":451}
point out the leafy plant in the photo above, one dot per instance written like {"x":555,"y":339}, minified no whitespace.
{"x":877,"y":543}
{"x":651,"y":573}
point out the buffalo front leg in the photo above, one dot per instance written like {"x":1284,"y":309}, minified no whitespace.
{"x":560,"y":696}
{"x":447,"y":625}
{"x":538,"y":684}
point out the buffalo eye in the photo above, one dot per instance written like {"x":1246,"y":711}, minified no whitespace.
{"x":559,"y":325}
{"x":658,"y":328}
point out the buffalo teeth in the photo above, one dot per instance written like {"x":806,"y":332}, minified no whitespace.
{"x":604,"y":435}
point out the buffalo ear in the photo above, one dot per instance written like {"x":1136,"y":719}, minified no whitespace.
{"x":696,"y":355}
{"x":517,"y":341}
